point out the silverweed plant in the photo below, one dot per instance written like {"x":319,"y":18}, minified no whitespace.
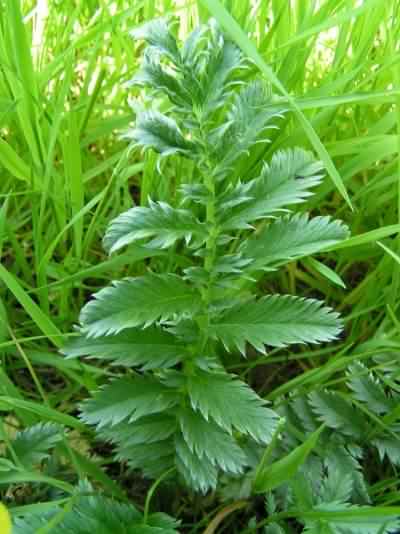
{"x":323,"y":482}
{"x":175,"y":329}
{"x":90,"y":512}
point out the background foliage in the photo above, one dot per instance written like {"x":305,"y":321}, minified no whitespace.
{"x":66,"y":172}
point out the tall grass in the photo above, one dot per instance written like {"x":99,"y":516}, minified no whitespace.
{"x":65,"y":172}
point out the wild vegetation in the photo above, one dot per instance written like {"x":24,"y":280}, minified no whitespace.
{"x":199,"y":225}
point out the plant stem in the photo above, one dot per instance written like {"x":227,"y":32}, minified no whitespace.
{"x":151,"y":493}
{"x":205,"y":167}
{"x":210,"y":219}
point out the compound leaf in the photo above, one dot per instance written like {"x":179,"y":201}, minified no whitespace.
{"x":100,"y":515}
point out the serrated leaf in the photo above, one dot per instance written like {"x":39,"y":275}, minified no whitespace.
{"x":97,"y":515}
{"x":191,"y":48}
{"x":284,"y":182}
{"x":153,"y":74}
{"x":206,"y":439}
{"x":388,"y":446}
{"x":368,"y":389}
{"x":148,"y":349}
{"x":209,"y":60}
{"x":159,"y":222}
{"x":231,"y":404}
{"x":200,"y":474}
{"x":302,"y":410}
{"x":127,"y":399}
{"x":158,"y":35}
{"x":292,"y":237}
{"x":249,"y":115}
{"x":284,"y":469}
{"x":305,"y":481}
{"x":137,"y":301}
{"x":231,"y":264}
{"x":233,"y":196}
{"x":337,"y":486}
{"x":164,"y":522}
{"x":221,"y":63}
{"x":337,"y":413}
{"x":153,"y":459}
{"x":32,"y":445}
{"x":277,"y":321}
{"x":197,"y":193}
{"x":159,"y":132}
{"x":148,"y":429}
{"x":344,"y":459}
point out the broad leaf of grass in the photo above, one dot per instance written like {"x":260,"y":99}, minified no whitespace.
{"x":42,"y":321}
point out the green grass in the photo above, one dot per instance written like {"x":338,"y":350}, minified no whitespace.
{"x":65,"y":172}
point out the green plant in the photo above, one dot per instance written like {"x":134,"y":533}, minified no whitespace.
{"x":59,"y":507}
{"x":329,"y":491}
{"x":87,"y":512}
{"x":64,"y":174}
{"x":321,"y":499}
{"x":179,"y":326}
{"x":321,"y":481}
{"x":360,"y":422}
